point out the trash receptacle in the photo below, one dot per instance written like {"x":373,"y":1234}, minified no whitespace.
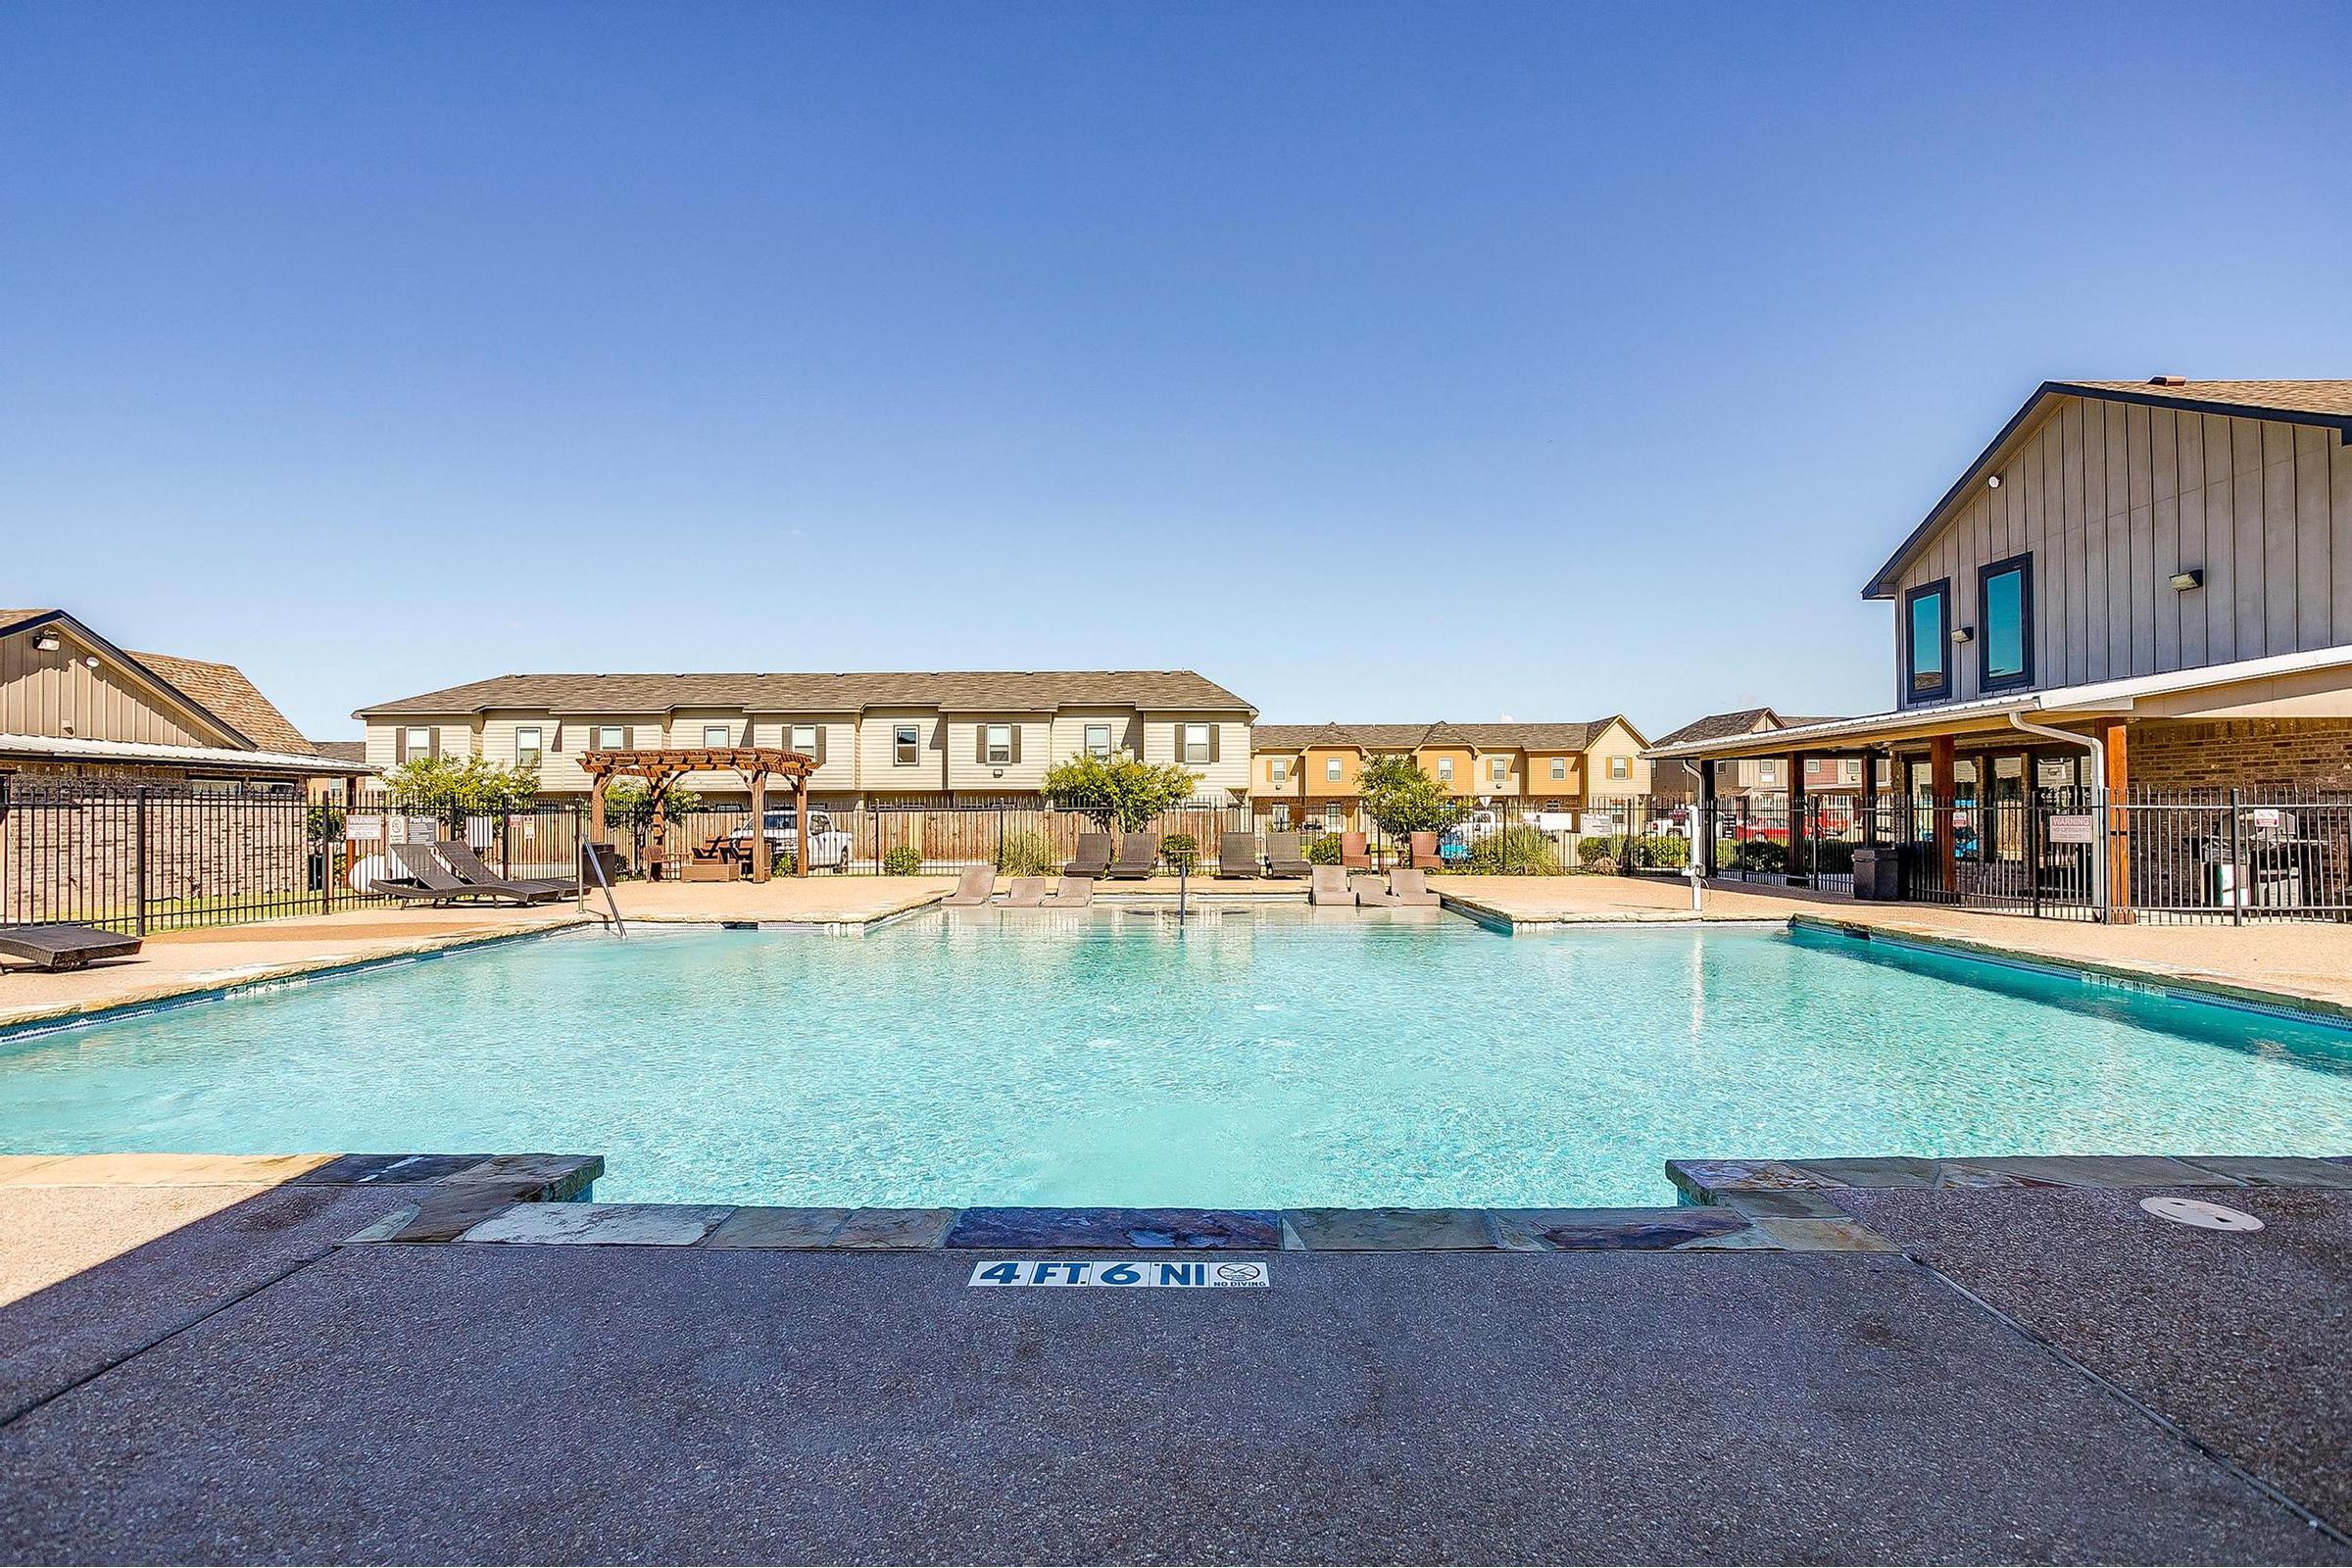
{"x":1877,"y":874}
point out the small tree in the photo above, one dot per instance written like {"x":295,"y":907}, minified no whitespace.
{"x":1402,"y":800}
{"x":629,"y":803}
{"x":455,"y":788}
{"x":1119,"y":790}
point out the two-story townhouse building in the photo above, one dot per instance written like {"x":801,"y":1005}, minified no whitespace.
{"x":2136,"y":585}
{"x":938,"y":738}
{"x":1754,"y":779}
{"x":1309,"y":774}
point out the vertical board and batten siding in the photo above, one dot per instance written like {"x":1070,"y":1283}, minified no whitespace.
{"x":42,"y":694}
{"x":2111,"y":500}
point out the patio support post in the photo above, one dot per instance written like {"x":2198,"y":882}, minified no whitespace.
{"x":596,"y":809}
{"x":1795,"y":763}
{"x":2114,"y":822}
{"x":800,"y":794}
{"x":657,"y":838}
{"x":1943,"y":789}
{"x":1703,"y":829}
{"x":763,"y":852}
{"x":1870,"y":800}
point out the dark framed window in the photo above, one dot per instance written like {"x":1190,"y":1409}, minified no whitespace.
{"x":905,"y":741}
{"x":2005,"y":642}
{"x":1927,"y":640}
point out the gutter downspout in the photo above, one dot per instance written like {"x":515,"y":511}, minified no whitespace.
{"x":2098,"y":796}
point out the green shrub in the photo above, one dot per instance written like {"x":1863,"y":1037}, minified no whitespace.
{"x":1323,"y":850}
{"x":1515,"y":852}
{"x":1600,"y":850}
{"x":1766,"y":856}
{"x":1662,"y":851}
{"x":1727,"y":854}
{"x":1181,"y":851}
{"x":1028,"y":855}
{"x":905,"y":860}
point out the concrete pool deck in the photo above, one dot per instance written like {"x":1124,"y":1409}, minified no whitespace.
{"x":2299,"y":963}
{"x":2034,"y":1378}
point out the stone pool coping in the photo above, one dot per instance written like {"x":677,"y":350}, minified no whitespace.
{"x":1807,"y":1187}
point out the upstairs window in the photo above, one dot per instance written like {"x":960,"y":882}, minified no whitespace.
{"x":1195,"y":743}
{"x":1560,"y":770}
{"x":1444,"y":769}
{"x":1768,"y":772}
{"x":1621,"y":768}
{"x":526,"y":745}
{"x":1277,"y":771}
{"x":803,"y":739}
{"x":2005,"y":593}
{"x":716,"y":737}
{"x":996,"y":744}
{"x":1927,"y":640}
{"x":906,"y":742}
{"x":1332,"y":768}
{"x":611,"y":738}
{"x":1498,"y":769}
{"x":1098,"y":740}
{"x":417,"y":742}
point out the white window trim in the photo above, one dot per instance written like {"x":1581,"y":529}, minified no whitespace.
{"x":906,"y":745}
{"x":792,"y":739}
{"x":1092,"y":750}
{"x":726,"y":737}
{"x":1184,"y":742}
{"x":990,"y":748}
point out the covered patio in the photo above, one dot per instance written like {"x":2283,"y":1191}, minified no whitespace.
{"x":662,"y":767}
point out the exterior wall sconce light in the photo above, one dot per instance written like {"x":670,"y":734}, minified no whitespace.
{"x":45,"y":641}
{"x":1962,"y":635}
{"x":1993,"y":483}
{"x":2194,"y":578}
{"x":91,"y":661}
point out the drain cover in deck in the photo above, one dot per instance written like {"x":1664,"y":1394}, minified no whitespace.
{"x":2203,"y":1215}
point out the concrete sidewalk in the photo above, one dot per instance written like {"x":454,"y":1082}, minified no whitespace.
{"x":561,"y":1403}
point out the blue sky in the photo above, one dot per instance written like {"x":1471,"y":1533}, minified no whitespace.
{"x":1380,"y":362}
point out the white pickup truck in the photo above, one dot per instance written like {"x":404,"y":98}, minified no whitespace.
{"x":828,"y":845}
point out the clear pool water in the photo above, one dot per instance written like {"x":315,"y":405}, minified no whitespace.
{"x":1258,"y":1058}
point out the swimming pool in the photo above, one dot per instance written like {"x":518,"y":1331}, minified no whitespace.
{"x":1261,"y":1057}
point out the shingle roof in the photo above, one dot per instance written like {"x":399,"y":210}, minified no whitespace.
{"x":224,"y":691}
{"x":10,"y":617}
{"x":959,"y":691}
{"x":352,"y":752}
{"x":1562,"y":737}
{"x":2275,"y":397}
{"x":1721,"y":726}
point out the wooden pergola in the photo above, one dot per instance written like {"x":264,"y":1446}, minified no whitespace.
{"x":662,"y":767}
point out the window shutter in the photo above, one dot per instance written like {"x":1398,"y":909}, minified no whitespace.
{"x":433,"y":742}
{"x":819,"y":751}
{"x":1212,"y":741}
{"x":980,"y":743}
{"x":1017,"y":741}
{"x":554,"y":742}
{"x":628,"y":737}
{"x":400,"y":743}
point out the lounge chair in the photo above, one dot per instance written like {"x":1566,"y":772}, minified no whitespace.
{"x":460,"y":859}
{"x":1138,"y":853}
{"x":1410,"y":887}
{"x":1354,"y":853}
{"x":973,"y":887}
{"x":1236,"y":854}
{"x":1423,"y":848}
{"x":1093,"y":858}
{"x":1371,"y":892}
{"x":1283,"y":858}
{"x":1028,"y":892}
{"x":1329,"y":884}
{"x":55,"y":948}
{"x":435,"y":883}
{"x":1076,"y":892}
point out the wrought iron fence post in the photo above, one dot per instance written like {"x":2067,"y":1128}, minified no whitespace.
{"x":2238,"y":859}
{"x":138,"y":858}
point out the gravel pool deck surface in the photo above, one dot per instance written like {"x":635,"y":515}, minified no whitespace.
{"x":560,"y":1403}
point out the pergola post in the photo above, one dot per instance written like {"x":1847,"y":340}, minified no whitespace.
{"x":2116,"y":820}
{"x":657,"y":835}
{"x":1944,"y":788}
{"x":764,"y":855}
{"x":596,"y":808}
{"x":799,"y":794}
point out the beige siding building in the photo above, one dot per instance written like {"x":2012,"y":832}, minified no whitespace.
{"x":1309,"y":773}
{"x":947,"y":737}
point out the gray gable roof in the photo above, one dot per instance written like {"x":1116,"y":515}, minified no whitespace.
{"x":956,"y":691}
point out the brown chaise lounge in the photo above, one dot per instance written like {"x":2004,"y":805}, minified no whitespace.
{"x":1371,"y":892}
{"x":1137,"y":855}
{"x":1411,"y":887}
{"x":1028,"y":892}
{"x":973,"y":887}
{"x":1236,"y":854}
{"x":460,"y":859}
{"x":55,"y":948}
{"x":1093,"y":858}
{"x":435,"y":883}
{"x":1283,"y":858}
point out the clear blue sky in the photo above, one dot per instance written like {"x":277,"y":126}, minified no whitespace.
{"x":1378,"y":361}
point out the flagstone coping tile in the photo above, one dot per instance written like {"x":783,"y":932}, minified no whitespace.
{"x":2088,"y":1170}
{"x":1255,"y":1230}
{"x":784,"y":1228}
{"x":387,"y":1170}
{"x":1647,"y":1230}
{"x":1392,"y":1230}
{"x":1781,"y":1206}
{"x":1824,"y":1236}
{"x":1886,"y":1170}
{"x":893,"y":1228}
{"x":555,"y":1177}
{"x":444,"y":1213}
{"x":602,"y":1224}
{"x":2278,"y":1170}
{"x":1705,"y":1178}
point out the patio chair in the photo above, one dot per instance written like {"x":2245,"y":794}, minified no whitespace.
{"x":58,"y":947}
{"x":1423,"y":850}
{"x":435,"y":883}
{"x":1138,"y":853}
{"x":460,"y":859}
{"x":1410,"y":887}
{"x":1093,"y":858}
{"x":1328,"y":884}
{"x":1283,"y":858}
{"x":1075,"y":893}
{"x":1371,"y":892}
{"x":1354,"y":853}
{"x":1236,"y":854}
{"x":1028,"y":892}
{"x":973,"y":887}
